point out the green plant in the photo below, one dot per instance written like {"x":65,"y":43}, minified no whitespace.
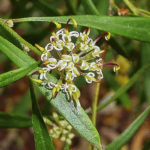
{"x":14,"y":47}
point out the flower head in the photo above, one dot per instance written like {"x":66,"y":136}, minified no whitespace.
{"x":72,"y":54}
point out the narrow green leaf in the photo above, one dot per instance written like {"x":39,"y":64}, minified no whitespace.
{"x":12,"y":76}
{"x":89,"y":7}
{"x":14,"y":121}
{"x":46,"y":7}
{"x":41,"y":135}
{"x":6,"y":33}
{"x":102,"y":6}
{"x":24,"y":105}
{"x":144,"y":53}
{"x":75,"y":116}
{"x":124,"y":88}
{"x":71,"y":6}
{"x":15,"y":54}
{"x":129,"y":132}
{"x":66,"y":146}
{"x":131,"y":27}
{"x":14,"y":38}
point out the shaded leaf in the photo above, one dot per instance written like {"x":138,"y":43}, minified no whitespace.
{"x":129,"y":132}
{"x":14,"y":38}
{"x":145,"y":52}
{"x":15,"y":54}
{"x":124,"y":98}
{"x":41,"y":135}
{"x":102,"y":6}
{"x":75,"y":116}
{"x":124,"y":88}
{"x":131,"y":27}
{"x":89,"y":7}
{"x":12,"y":76}
{"x":14,"y":121}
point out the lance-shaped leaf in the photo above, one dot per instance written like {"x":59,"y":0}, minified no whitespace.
{"x":132,"y":27}
{"x":76,"y":117}
{"x":15,"y":38}
{"x":15,"y":54}
{"x":14,"y":121}
{"x":41,"y":135}
{"x":129,"y":132}
{"x":12,"y":76}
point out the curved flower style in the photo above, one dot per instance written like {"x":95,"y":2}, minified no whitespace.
{"x":72,"y":54}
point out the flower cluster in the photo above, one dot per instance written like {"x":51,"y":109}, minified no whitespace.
{"x":72,"y":54}
{"x":60,"y":129}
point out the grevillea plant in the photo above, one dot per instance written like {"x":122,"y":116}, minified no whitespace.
{"x":71,"y":54}
{"x":55,"y":70}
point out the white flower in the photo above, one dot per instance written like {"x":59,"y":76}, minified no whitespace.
{"x":70,"y":46}
{"x":72,"y":88}
{"x":100,"y":74}
{"x":70,"y":66}
{"x":69,"y":76}
{"x":89,"y":77}
{"x":67,"y":58}
{"x":44,"y":57}
{"x":49,"y":47}
{"x":84,"y":65}
{"x":84,"y":47}
{"x":96,"y":52}
{"x":52,"y":63}
{"x":51,"y":85}
{"x":93,"y":67}
{"x":75,"y":72}
{"x":75,"y":58}
{"x":62,"y":64}
{"x":43,"y":73}
{"x":59,"y":45}
{"x":67,"y":36}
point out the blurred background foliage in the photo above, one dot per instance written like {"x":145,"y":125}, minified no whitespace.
{"x":130,"y":54}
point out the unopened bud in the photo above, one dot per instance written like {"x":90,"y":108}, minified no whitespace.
{"x":9,"y":23}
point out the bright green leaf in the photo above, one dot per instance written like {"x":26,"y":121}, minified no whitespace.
{"x":14,"y":38}
{"x":75,"y":116}
{"x":14,"y":121}
{"x":131,"y":27}
{"x":102,"y":6}
{"x":12,"y":76}
{"x":15,"y":54}
{"x":41,"y":135}
{"x":89,"y":7}
{"x":129,"y":132}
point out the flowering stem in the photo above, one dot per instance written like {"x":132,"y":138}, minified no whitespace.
{"x":94,"y":104}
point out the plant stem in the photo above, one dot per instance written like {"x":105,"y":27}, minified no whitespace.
{"x":19,"y":38}
{"x":94,"y":104}
{"x":94,"y":107}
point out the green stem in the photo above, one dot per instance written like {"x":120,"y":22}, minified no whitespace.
{"x":94,"y":104}
{"x":19,"y":38}
{"x":94,"y":107}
